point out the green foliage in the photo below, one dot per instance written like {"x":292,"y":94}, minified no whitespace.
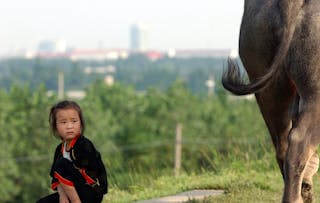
{"x":138,"y":71}
{"x":8,"y":168}
{"x":25,"y":136}
{"x":135,"y":132}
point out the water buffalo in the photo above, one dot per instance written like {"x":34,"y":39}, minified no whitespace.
{"x":279,"y":46}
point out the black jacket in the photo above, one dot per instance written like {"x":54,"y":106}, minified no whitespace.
{"x":87,"y":160}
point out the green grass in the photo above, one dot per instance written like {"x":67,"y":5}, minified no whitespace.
{"x":240,"y":186}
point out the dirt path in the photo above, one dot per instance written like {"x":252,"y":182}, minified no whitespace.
{"x":185,"y":196}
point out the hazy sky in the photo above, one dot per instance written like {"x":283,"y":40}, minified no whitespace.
{"x":88,"y":23}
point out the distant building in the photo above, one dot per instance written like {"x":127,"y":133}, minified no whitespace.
{"x":76,"y":94}
{"x":98,"y":54}
{"x":109,"y":80}
{"x":200,"y":53}
{"x":52,"y":46}
{"x":138,"y":37}
{"x":154,"y":55}
{"x":46,"y":46}
{"x":100,"y":69}
{"x":51,"y":49}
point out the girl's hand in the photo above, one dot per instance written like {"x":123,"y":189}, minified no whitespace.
{"x":62,"y":195}
{"x":63,"y":199}
{"x":68,"y":193}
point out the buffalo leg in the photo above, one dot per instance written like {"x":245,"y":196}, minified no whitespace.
{"x":302,"y":161}
{"x":276,"y":108}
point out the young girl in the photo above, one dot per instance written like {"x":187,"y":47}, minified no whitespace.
{"x":78,"y":174}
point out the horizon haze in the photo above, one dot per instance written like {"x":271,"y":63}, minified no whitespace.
{"x":188,"y":24}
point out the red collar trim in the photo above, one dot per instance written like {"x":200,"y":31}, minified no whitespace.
{"x":72,"y":142}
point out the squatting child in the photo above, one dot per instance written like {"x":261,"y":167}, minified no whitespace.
{"x":78,"y":174}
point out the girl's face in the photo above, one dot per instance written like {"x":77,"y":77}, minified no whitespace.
{"x":68,"y":124}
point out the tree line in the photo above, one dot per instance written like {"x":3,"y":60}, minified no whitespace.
{"x":137,"y":70}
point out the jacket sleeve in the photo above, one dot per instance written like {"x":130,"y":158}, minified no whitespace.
{"x":84,"y":156}
{"x":54,"y":181}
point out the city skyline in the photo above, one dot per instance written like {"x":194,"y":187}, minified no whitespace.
{"x":90,"y":24}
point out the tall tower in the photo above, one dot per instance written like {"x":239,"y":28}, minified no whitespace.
{"x":138,"y":37}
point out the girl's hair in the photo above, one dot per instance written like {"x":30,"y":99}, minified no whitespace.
{"x":66,"y":104}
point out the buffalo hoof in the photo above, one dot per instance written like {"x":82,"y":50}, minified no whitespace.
{"x":307,"y":192}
